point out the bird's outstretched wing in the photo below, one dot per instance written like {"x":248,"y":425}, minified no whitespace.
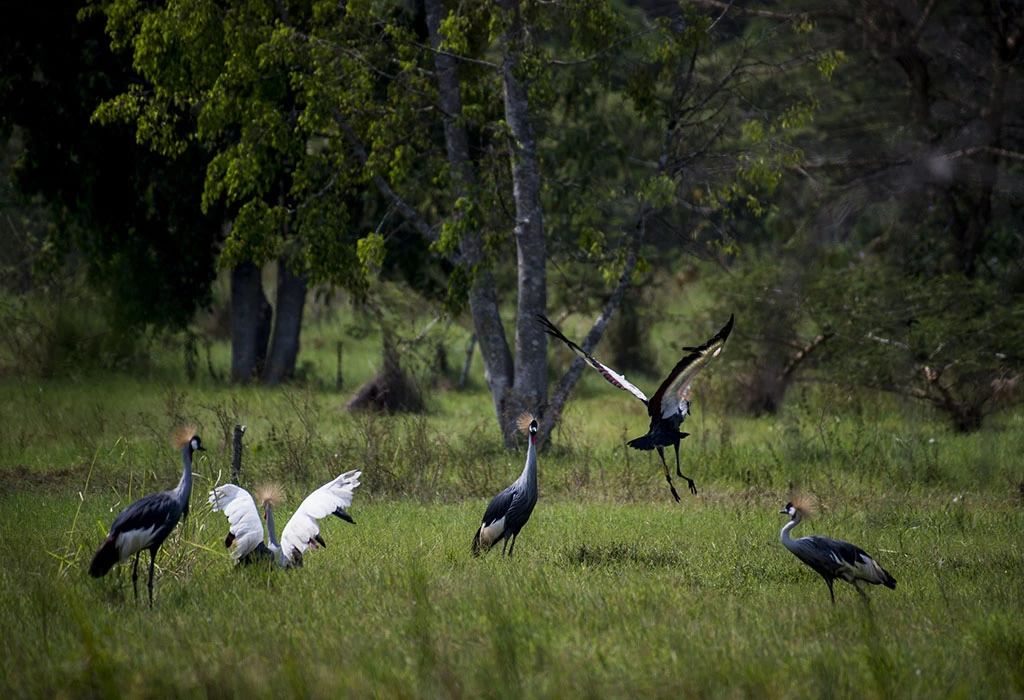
{"x":244,"y":523}
{"x":611,"y":375}
{"x":673,"y":396}
{"x":331,"y":498}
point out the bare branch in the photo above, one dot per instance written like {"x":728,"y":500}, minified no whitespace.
{"x":410,"y":214}
{"x":766,"y":14}
{"x":919,"y":27}
{"x":803,"y":353}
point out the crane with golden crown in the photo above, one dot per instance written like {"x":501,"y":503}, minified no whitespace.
{"x":147,"y":522}
{"x":508,"y":512}
{"x":832,"y":559}
{"x":302,"y":532}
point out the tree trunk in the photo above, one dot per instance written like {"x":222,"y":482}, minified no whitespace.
{"x":483,"y":300}
{"x":250,"y":322}
{"x":529,"y":387}
{"x":284,"y":348}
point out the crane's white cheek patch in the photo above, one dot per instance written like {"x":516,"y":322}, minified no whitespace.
{"x":490,"y":533}
{"x":134,"y":541}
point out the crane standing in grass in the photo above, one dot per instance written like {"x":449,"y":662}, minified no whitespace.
{"x":832,"y":558}
{"x":509,"y":510}
{"x":670,"y":404}
{"x":245,"y":531}
{"x":147,"y":522}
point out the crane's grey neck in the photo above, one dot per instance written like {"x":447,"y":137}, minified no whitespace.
{"x":270,"y":527}
{"x":529,"y":474}
{"x":275,"y":546}
{"x":794,"y":521}
{"x":184,"y":488}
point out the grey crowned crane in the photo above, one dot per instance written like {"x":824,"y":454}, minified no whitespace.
{"x":670,"y":404}
{"x":832,"y":559}
{"x":509,"y":510}
{"x":147,"y":522}
{"x":245,"y":531}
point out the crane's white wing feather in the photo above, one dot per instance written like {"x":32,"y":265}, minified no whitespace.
{"x":613,"y":377}
{"x":243,"y":517}
{"x":303,"y":528}
{"x":673,"y":396}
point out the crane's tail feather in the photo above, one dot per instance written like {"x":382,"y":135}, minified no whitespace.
{"x":645,"y":442}
{"x":887,"y":580}
{"x":104,"y":559}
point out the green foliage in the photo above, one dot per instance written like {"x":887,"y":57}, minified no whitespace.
{"x":941,"y":341}
{"x":130,"y":218}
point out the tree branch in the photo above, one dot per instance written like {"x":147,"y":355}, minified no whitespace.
{"x":403,"y":207}
{"x":767,"y":14}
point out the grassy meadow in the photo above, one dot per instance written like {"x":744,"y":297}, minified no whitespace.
{"x":615,"y":590}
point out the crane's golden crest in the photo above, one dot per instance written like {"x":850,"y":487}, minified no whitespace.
{"x":269,"y":495}
{"x":805,"y":503}
{"x":183,"y":435}
{"x":523,"y":422}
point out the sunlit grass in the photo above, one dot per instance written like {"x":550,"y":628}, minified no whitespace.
{"x":617,"y":599}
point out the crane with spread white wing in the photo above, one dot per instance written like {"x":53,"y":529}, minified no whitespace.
{"x":302,"y":532}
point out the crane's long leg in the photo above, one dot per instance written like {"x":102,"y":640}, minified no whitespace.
{"x":693,"y":486}
{"x":830,"y":591}
{"x":668,"y":477}
{"x":152,"y":564}
{"x":135,"y":576}
{"x":504,"y":545}
{"x":512,"y":546}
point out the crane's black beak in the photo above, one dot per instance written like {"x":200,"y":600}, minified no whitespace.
{"x":784,"y":511}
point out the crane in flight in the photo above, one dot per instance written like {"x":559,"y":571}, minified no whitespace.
{"x":670,"y":404}
{"x":302,"y":532}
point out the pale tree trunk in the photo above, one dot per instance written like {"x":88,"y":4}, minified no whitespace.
{"x":284,"y":347}
{"x":483,"y":300}
{"x":529,"y":387}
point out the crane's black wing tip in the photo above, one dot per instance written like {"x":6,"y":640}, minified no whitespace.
{"x":343,"y":514}
{"x":552,"y":330}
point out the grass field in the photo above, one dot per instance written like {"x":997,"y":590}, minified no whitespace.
{"x":614,"y":591}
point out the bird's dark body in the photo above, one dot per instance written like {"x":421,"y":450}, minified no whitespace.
{"x":516,"y":506}
{"x":156,"y":515}
{"x":664,"y":432}
{"x":261,"y":555}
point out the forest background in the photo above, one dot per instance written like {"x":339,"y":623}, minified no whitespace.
{"x":365,"y":205}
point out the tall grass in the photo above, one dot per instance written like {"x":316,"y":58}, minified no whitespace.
{"x":614,"y":591}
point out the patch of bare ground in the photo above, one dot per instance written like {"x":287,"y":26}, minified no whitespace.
{"x":20,"y":478}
